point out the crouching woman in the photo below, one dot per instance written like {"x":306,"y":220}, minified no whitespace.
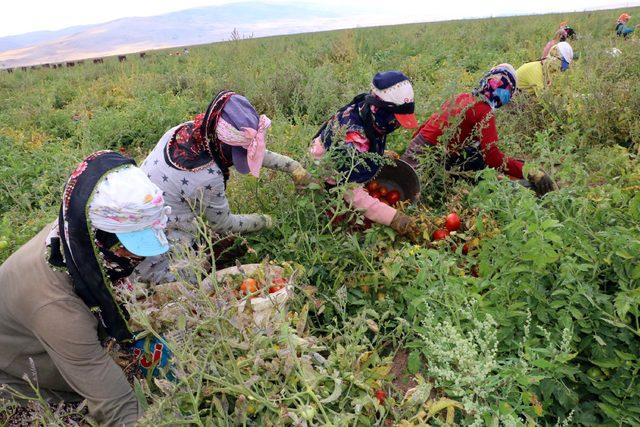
{"x":57,"y":291}
{"x":358,"y":131}
{"x":191,"y":164}
{"x":466,"y":125}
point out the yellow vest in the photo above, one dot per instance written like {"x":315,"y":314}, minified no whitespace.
{"x":530,"y":77}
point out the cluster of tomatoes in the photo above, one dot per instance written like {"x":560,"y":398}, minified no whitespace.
{"x":382,"y":193}
{"x":250,"y":285}
{"x":451,"y":223}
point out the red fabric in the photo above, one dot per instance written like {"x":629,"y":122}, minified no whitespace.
{"x":358,"y":140}
{"x":477,"y":124}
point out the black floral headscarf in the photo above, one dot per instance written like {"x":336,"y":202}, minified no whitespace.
{"x":90,"y":256}
{"x":194,"y":145}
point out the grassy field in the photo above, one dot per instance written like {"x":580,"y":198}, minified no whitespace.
{"x":548,"y":333}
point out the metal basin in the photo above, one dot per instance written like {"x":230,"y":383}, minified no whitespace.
{"x":401,"y":177}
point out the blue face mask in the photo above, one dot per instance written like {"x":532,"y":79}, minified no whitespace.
{"x":504,"y":95}
{"x":565,"y":65}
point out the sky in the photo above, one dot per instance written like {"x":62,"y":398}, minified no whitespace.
{"x":23,"y":16}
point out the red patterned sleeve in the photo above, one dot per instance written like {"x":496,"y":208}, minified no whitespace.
{"x":493,"y":157}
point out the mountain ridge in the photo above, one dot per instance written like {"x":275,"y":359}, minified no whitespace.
{"x":183,"y":28}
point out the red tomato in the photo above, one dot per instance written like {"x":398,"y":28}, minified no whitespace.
{"x":474,"y":271}
{"x":465,"y":249}
{"x":375,"y":194}
{"x":277,"y":284}
{"x":279,"y":281}
{"x":381,"y":396}
{"x":452,"y":222}
{"x":383,"y":190}
{"x":393,"y":197}
{"x":373,"y":186}
{"x":440,"y":234}
{"x":275,"y":288}
{"x":248,"y":286}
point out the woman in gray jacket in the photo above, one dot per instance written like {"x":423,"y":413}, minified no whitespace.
{"x":191,"y":164}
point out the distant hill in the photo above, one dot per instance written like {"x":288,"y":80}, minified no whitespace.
{"x":188,"y":27}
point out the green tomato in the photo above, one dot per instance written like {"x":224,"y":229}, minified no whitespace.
{"x":3,"y":244}
{"x":307,"y":412}
{"x":595,"y":373}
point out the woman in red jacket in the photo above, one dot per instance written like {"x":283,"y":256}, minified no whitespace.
{"x":469,"y":124}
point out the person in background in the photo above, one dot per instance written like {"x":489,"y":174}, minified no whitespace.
{"x":191,"y":163}
{"x":359,"y":131}
{"x":570,"y":32}
{"x":560,"y":36}
{"x":533,"y":77}
{"x":57,"y":291}
{"x":473,"y":146}
{"x":622,"y":30}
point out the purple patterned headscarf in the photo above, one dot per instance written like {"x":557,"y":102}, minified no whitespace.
{"x":497,"y":85}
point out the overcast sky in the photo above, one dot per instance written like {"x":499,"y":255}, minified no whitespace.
{"x":23,"y":16}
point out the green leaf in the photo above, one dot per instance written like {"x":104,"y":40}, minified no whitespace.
{"x":599,"y":340}
{"x":607,"y":363}
{"x":624,"y":254}
{"x":622,"y":304}
{"x":139,"y":393}
{"x":610,"y":411}
{"x":625,"y":356}
{"x":542,"y":363}
{"x":550,"y":223}
{"x":414,"y":363}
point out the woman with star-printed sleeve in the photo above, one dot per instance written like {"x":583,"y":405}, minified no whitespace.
{"x":191,"y":165}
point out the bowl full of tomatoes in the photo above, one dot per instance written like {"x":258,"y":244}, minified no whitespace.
{"x":395,"y":183}
{"x":266,"y":287}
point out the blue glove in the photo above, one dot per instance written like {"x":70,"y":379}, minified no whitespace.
{"x":153,"y":356}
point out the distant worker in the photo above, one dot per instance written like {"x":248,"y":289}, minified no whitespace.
{"x":571,"y":33}
{"x":534,"y":77}
{"x":560,"y":36}
{"x":355,"y":138}
{"x":57,"y":292}
{"x":192,"y":162}
{"x":472,"y":144}
{"x":622,"y":30}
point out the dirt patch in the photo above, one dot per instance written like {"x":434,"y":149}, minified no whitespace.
{"x":33,"y":413}
{"x":402,"y":379}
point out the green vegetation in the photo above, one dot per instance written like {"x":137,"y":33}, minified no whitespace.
{"x":549,"y":331}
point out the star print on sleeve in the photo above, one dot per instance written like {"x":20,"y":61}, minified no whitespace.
{"x":184,"y":181}
{"x":208,"y":187}
{"x":165,"y":178}
{"x":211,"y":171}
{"x":155,"y":162}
